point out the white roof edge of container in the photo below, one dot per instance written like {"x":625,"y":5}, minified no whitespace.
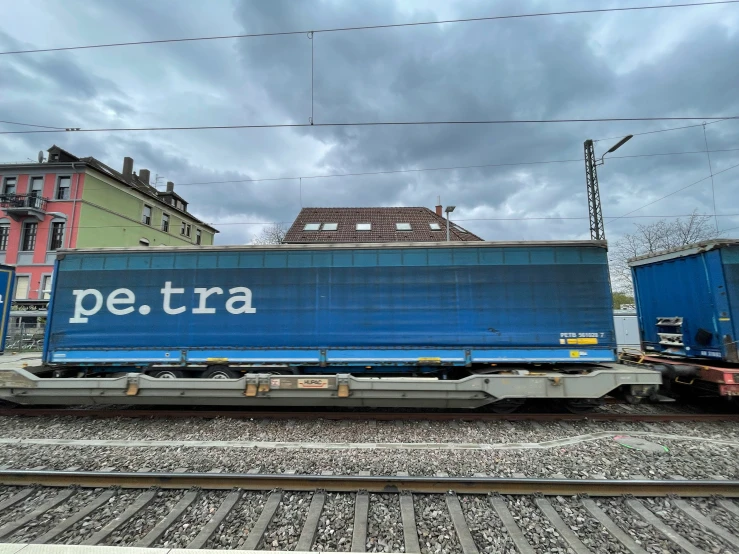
{"x":682,"y":251}
{"x":337,"y":246}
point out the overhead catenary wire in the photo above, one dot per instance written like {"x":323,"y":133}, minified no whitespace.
{"x":673,"y":193}
{"x":446,"y":168}
{"x":660,"y":130}
{"x":371,"y":27}
{"x":367,"y":124}
{"x":455,"y":221}
{"x":32,"y":125}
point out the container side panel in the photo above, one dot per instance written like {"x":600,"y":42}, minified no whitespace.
{"x":496,"y":297}
{"x":680,"y":288}
{"x":730,"y":258}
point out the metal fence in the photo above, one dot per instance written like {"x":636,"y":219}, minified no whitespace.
{"x":24,"y":336}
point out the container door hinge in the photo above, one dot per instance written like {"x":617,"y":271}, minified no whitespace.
{"x":323,"y":358}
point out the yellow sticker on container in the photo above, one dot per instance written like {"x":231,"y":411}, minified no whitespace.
{"x":574,"y":353}
{"x":583,"y":340}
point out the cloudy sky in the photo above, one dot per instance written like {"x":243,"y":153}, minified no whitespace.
{"x":660,"y":63}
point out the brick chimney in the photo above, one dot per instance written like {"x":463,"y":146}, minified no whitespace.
{"x":127,"y":168}
{"x":170,"y":186}
{"x":144,"y":175}
{"x":438,"y":210}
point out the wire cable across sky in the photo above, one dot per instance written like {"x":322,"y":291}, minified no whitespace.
{"x":368,"y":124}
{"x":369,"y":27}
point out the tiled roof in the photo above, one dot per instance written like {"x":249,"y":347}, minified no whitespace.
{"x":383,"y":226}
{"x":139,"y":185}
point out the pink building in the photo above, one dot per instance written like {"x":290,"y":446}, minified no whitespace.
{"x":40,"y":215}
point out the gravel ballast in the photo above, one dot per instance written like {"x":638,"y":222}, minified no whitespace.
{"x":30,"y":503}
{"x":487,"y":530}
{"x":588,"y":529}
{"x":320,"y":430}
{"x":283,"y":531}
{"x":143,"y":522}
{"x":187,"y":527}
{"x":83,"y":530}
{"x":384,"y":524}
{"x":235,"y":528}
{"x":708,"y":507}
{"x":335,"y":528}
{"x":663,"y":508}
{"x":535,"y":526}
{"x":50,"y":518}
{"x":434,"y":525}
{"x":639,"y":530}
{"x":606,"y":458}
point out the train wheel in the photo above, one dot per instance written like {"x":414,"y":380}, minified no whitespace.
{"x":507,"y":406}
{"x":167,"y":374}
{"x":220,"y":372}
{"x":582,"y":405}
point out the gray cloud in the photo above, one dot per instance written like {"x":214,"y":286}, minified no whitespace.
{"x":676,"y":62}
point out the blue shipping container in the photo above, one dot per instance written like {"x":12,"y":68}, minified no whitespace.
{"x":334,"y":305}
{"x":7,"y":281}
{"x":687,"y":300}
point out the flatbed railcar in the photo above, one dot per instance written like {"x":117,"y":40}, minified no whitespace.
{"x":687,"y":303}
{"x":450,"y":325}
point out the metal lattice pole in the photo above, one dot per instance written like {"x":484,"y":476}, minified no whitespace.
{"x":597,"y":230}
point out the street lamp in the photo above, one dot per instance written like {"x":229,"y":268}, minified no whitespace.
{"x":597,"y":230}
{"x":448,"y":210}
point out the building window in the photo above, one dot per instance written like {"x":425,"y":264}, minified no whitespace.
{"x":28,"y":241}
{"x":403,"y":227}
{"x":435,"y":226}
{"x":22,"y":283}
{"x":330,"y":226}
{"x":4,"y":235}
{"x":37,"y":186}
{"x":45,"y":287}
{"x":185,"y":229}
{"x":62,"y":188}
{"x":364,"y":226}
{"x":198,"y":237}
{"x":146,"y":217}
{"x":165,"y":223}
{"x":9,"y":185}
{"x":57,"y":235}
{"x":312,"y":227}
{"x":55,"y":157}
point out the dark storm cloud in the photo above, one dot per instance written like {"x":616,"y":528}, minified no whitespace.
{"x":677,"y":62}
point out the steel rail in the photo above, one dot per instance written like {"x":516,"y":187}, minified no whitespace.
{"x":366,"y":415}
{"x":374,"y":483}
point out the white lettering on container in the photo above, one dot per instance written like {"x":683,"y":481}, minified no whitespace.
{"x":168,"y":291}
{"x":120,"y":297}
{"x":245,"y":298}
{"x":122,"y":301}
{"x":204,"y":294}
{"x":79,"y":310}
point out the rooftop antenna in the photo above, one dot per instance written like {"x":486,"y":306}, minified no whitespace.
{"x":156,"y":180}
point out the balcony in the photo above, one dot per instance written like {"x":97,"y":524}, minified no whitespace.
{"x":19,"y":206}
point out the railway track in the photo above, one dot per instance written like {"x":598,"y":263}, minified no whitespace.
{"x":365,"y":513}
{"x":369,"y":415}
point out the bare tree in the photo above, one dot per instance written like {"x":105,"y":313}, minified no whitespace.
{"x":647,"y":239}
{"x":271,"y":234}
